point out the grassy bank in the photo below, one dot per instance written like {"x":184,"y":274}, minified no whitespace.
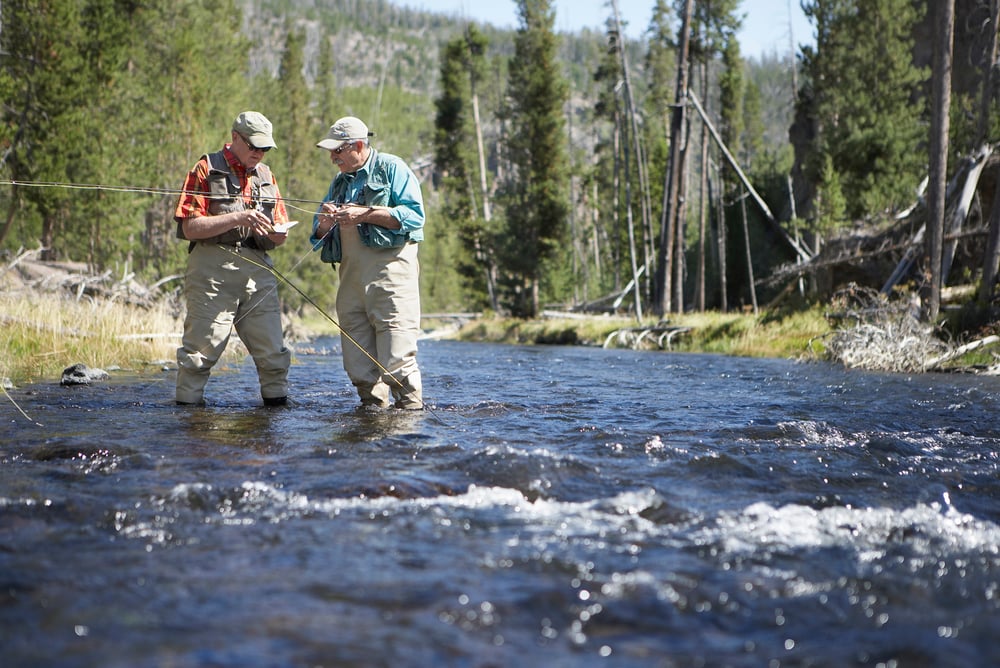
{"x":42,"y":333}
{"x":45,"y":332}
{"x":765,"y":335}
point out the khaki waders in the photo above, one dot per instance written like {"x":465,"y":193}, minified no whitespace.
{"x":378,"y":305}
{"x":223,"y":293}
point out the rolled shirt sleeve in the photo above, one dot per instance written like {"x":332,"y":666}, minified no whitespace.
{"x":407,"y":204}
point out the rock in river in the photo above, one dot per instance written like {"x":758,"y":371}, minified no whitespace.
{"x":81,"y":374}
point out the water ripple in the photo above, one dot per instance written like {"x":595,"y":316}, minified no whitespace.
{"x":566,"y":507}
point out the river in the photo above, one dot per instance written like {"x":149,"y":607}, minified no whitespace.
{"x":556,"y":506}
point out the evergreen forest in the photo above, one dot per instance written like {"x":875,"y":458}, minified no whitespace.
{"x":567,"y":171}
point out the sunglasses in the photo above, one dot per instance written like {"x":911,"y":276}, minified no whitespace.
{"x":343,"y":147}
{"x":262,"y":149}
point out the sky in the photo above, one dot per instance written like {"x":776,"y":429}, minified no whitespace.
{"x":769,"y":27}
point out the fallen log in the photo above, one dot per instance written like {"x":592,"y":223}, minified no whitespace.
{"x":633,"y":337}
{"x":885,"y":255}
{"x":936,"y":362}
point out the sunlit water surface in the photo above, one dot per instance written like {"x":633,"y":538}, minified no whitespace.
{"x":555,"y":507}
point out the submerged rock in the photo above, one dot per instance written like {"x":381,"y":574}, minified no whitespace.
{"x":81,"y":374}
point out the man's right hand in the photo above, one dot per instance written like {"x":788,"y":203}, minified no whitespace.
{"x":328,"y":217}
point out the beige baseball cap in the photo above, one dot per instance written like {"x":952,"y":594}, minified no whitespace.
{"x":346,"y":129}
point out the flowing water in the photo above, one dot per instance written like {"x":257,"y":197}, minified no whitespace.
{"x":558,"y":506}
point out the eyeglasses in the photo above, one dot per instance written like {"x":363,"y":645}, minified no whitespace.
{"x":346,"y":145}
{"x":262,"y":149}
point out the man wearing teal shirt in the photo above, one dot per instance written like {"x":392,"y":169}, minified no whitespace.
{"x":370,"y":223}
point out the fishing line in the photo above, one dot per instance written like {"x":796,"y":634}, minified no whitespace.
{"x":326,"y":315}
{"x":181,"y":191}
{"x":275,"y":287}
{"x":163,"y":191}
{"x":146,"y":190}
{"x":19,"y":409}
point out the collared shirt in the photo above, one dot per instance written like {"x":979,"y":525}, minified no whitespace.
{"x":406,"y":201}
{"x":193,"y":204}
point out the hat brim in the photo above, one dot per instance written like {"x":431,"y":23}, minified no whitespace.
{"x":330,"y":144}
{"x":261,"y":141}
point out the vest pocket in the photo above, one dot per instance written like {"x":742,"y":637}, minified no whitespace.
{"x":218,"y":191}
{"x":374,"y":236}
{"x":376,"y":193}
{"x":331,"y":251}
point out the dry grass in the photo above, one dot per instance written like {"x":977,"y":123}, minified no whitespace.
{"x":880,"y":334}
{"x":564,"y":331}
{"x":777,"y":334}
{"x":766,"y":335}
{"x":45,"y":332}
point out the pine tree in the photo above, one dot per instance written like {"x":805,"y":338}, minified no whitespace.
{"x":113,"y":93}
{"x":102,"y":223}
{"x":455,"y":155}
{"x":751,"y":142}
{"x":185,"y":81}
{"x":831,"y":207}
{"x":732,"y":95}
{"x":292,"y":118}
{"x":534,"y":196}
{"x":302,"y":170}
{"x":43,"y":56}
{"x":326,"y":84}
{"x":863,"y":87}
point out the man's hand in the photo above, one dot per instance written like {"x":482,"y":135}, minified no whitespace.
{"x":327,"y":218}
{"x":257,"y":222}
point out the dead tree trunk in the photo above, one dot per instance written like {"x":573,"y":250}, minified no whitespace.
{"x":991,"y":254}
{"x":673,"y":176}
{"x":633,"y":126}
{"x":721,"y":241}
{"x":699,"y":288}
{"x":616,"y":184}
{"x":746,"y":240}
{"x":637,"y":296}
{"x":941,"y":100}
{"x":797,"y":248}
{"x":483,"y":187}
{"x":964,"y":182}
{"x":490,"y":269}
{"x":680,"y":268}
{"x":956,"y":219}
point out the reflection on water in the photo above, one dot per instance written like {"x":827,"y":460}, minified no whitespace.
{"x":557,"y":507}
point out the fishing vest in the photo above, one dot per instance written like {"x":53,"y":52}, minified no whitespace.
{"x":377,"y":192}
{"x":225,"y":195}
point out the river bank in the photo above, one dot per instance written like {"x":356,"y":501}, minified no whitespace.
{"x":47,"y":330}
{"x":113,"y":323}
{"x":775,"y":334}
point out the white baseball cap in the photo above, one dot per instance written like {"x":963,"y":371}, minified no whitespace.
{"x":344,"y":130}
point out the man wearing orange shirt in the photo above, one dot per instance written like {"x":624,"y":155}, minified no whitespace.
{"x":228,"y":212}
